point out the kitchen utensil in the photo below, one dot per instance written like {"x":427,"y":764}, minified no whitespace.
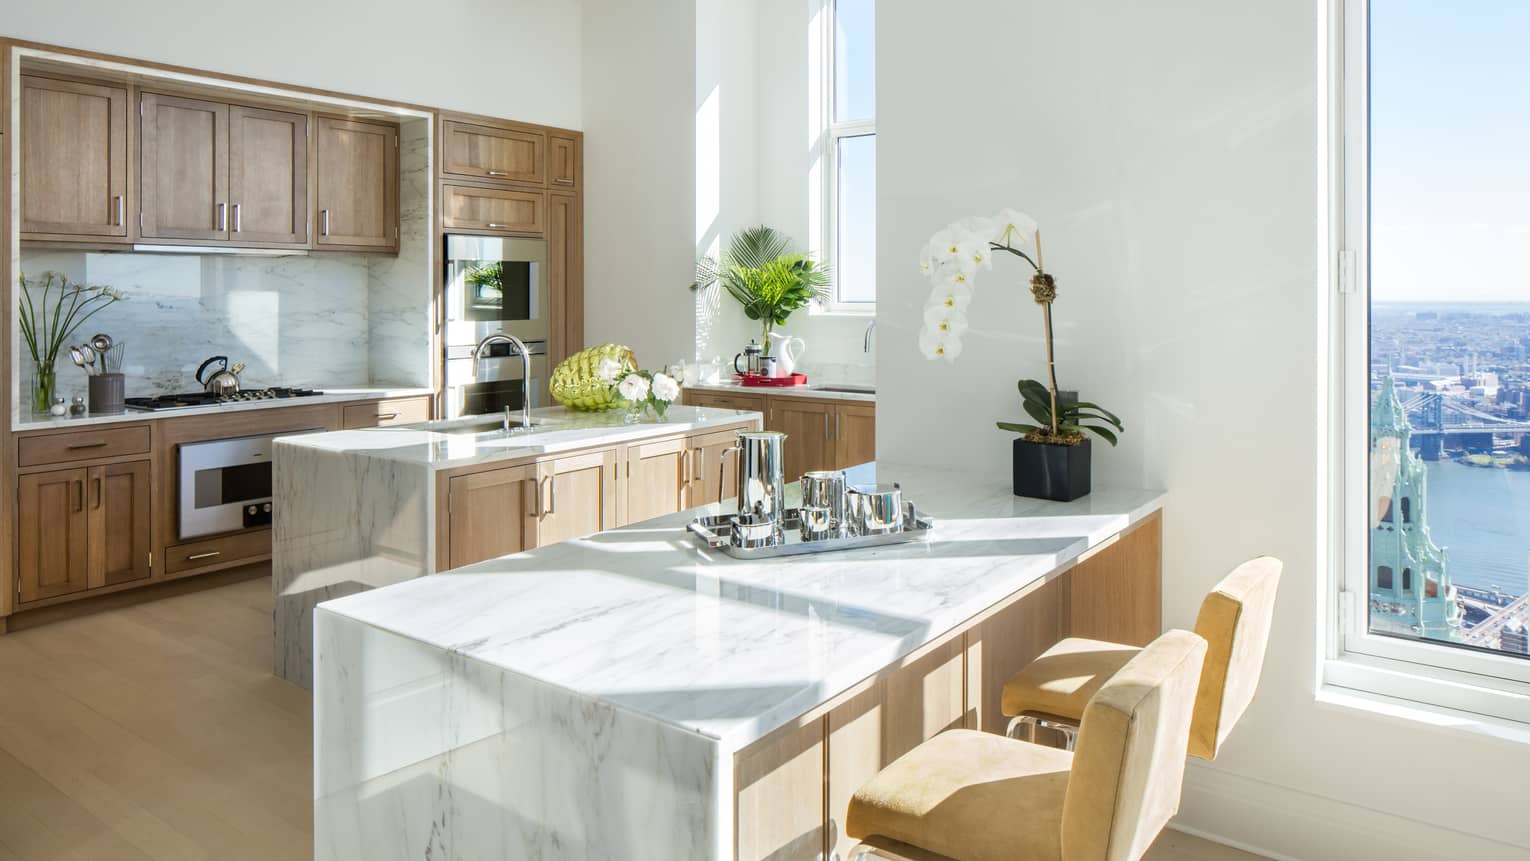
{"x":114,"y":354}
{"x":788,"y":350}
{"x":221,"y":381}
{"x":751,"y":358}
{"x":89,"y":353}
{"x":876,"y":509}
{"x":817,"y":523}
{"x":824,"y":489}
{"x":716,"y":532}
{"x":101,"y":343}
{"x":768,"y":367}
{"x":79,"y":359}
{"x":106,"y":392}
{"x":754,"y":531}
{"x":761,"y":485}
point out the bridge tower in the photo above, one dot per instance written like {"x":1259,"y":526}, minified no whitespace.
{"x":1410,"y":589}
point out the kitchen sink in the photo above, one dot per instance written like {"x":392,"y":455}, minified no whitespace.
{"x":470,"y":426}
{"x":846,"y":389}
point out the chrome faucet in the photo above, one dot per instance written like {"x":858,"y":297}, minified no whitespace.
{"x":870,"y":327}
{"x":518,"y":345}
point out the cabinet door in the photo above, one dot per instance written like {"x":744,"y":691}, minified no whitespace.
{"x":808,"y":426}
{"x":118,"y":523}
{"x":564,"y":162}
{"x":484,"y":152}
{"x":855,"y":435}
{"x":493,"y":210}
{"x":578,"y":496}
{"x":779,"y":781}
{"x":565,"y":255}
{"x":657,"y":473}
{"x":491,"y":514}
{"x":184,"y":168}
{"x":357,"y":179}
{"x":710,"y":471}
{"x":73,"y":158}
{"x":267,"y":176}
{"x":52,"y":544}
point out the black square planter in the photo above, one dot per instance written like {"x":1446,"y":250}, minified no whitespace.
{"x":1059,"y":472}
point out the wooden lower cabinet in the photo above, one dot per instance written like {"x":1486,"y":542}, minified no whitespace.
{"x":808,"y":426}
{"x":780,"y":795}
{"x":820,"y":434}
{"x":491,"y":514}
{"x":82,"y":528}
{"x":394,"y":411}
{"x":657,"y":474}
{"x":579,"y":495}
{"x":710,"y":471}
{"x":855,"y":434}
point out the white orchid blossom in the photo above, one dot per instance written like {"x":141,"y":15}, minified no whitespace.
{"x":665,"y":388}
{"x":633,"y":387}
{"x":953,"y":256}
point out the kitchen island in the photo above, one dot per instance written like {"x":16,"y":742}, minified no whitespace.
{"x":633,"y":695}
{"x":355,"y":510}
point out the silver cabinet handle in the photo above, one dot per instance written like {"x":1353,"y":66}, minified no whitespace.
{"x":210,"y":554}
{"x":79,"y":445}
{"x":118,"y":210}
{"x":222,"y":216}
{"x":552,"y":494}
{"x":492,"y":226}
{"x":836,"y":426}
{"x":495,"y":172}
{"x":236,"y":218}
{"x":323,"y":222}
{"x":387,"y":417}
{"x":825,"y":425}
{"x":563,"y":180}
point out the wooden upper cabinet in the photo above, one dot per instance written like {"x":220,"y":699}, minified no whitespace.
{"x":565,"y":256}
{"x":486,"y":152}
{"x":564,"y":162}
{"x":118,"y":518}
{"x":493,"y":210}
{"x":357,"y":175}
{"x":74,"y":163}
{"x":51,"y":540}
{"x":267,"y":176}
{"x":183,"y":171}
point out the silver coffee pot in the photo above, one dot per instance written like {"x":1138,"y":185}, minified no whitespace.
{"x":761,"y":473}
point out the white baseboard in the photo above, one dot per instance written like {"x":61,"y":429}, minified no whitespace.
{"x":1288,"y":824}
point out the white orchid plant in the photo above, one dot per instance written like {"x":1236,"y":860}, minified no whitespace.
{"x":951,"y":260}
{"x":637,"y":387}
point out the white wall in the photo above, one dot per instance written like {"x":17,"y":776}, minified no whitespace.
{"x":640,"y":176}
{"x":508,"y":58}
{"x":1170,"y":152}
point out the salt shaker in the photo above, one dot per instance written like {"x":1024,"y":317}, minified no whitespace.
{"x":77,"y":408}
{"x":59,"y":408}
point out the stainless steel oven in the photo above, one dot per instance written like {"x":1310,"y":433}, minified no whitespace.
{"x":496,"y":284}
{"x":224,"y":485}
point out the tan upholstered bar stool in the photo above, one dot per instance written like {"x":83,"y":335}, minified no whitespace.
{"x":1053,"y":690}
{"x":976,"y":796}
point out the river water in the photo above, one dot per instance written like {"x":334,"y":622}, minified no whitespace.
{"x":1482,"y":516}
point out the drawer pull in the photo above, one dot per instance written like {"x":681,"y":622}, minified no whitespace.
{"x":387,"y":417}
{"x":563,"y":180}
{"x":208,"y":555}
{"x":492,"y":226}
{"x":79,"y":445}
{"x":496,"y":173}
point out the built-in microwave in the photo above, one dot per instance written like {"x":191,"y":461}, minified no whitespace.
{"x":496,"y":284}
{"x":224,"y":485}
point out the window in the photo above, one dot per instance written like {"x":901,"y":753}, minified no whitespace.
{"x":1433,"y":371}
{"x":851,"y":221}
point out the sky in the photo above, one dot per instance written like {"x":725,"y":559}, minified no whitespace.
{"x":1450,"y":150}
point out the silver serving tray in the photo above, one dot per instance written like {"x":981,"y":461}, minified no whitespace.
{"x":716,"y":532}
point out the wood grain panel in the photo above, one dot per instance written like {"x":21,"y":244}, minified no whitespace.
{"x":779,"y":782}
{"x":723,"y":400}
{"x":490,"y":514}
{"x":268,"y":176}
{"x":52,"y":552}
{"x":855,"y":434}
{"x":82,"y":445}
{"x":393,"y":411}
{"x":710,"y":471}
{"x":564,"y":162}
{"x":120,"y":509}
{"x":493,"y":210}
{"x":1115,"y":593}
{"x":579,"y":495}
{"x":565,"y":254}
{"x":220,"y":552}
{"x":356,"y":178}
{"x":484,"y":152}
{"x":808,"y":426}
{"x":184,"y":168}
{"x":1001,"y":645}
{"x":73,"y":158}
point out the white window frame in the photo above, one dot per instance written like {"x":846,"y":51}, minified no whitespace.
{"x":1473,"y":683}
{"x":833,"y":132}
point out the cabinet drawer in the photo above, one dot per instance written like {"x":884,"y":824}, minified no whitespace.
{"x":494,"y":210}
{"x":218,"y":551}
{"x":83,"y":445}
{"x":394,"y":411}
{"x":721,"y":401}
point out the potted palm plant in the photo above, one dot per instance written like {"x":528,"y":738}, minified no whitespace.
{"x":762,"y":273}
{"x":1051,"y":458}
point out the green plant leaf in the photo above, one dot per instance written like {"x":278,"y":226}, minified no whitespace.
{"x":1107,"y":435}
{"x":1086,"y":405}
{"x":1017,"y":427}
{"x":1038,"y":412}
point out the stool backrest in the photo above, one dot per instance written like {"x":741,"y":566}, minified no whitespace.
{"x":1235,"y":619}
{"x":1130,"y":759}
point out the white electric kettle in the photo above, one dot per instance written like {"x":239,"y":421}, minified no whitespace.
{"x":787,"y":350}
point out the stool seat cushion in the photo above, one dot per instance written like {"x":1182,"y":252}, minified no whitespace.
{"x":1064,"y":678}
{"x":969,"y":795}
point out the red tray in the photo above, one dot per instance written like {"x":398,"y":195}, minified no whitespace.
{"x":772,"y":382}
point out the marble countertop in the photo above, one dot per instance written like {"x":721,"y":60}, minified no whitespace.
{"x":554,"y":429}
{"x":330,"y":396}
{"x":645,"y":619}
{"x":810,"y":390}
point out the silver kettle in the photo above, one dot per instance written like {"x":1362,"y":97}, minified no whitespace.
{"x":224,"y":380}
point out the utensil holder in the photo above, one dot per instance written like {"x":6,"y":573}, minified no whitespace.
{"x":106,"y":392}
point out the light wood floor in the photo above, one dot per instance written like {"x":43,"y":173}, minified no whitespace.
{"x":156,"y":731}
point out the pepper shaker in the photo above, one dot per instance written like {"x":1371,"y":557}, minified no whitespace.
{"x":77,"y":408}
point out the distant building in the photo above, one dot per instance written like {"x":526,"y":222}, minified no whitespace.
{"x":1513,"y":637}
{"x":1410,"y":589}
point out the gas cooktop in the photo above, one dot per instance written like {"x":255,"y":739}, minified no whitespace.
{"x":208,"y":399}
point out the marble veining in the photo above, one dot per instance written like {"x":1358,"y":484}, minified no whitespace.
{"x":398,"y":310}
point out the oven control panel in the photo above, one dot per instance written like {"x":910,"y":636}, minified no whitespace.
{"x":257,"y":514}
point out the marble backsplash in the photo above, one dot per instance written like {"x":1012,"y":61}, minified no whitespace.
{"x":319,"y":320}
